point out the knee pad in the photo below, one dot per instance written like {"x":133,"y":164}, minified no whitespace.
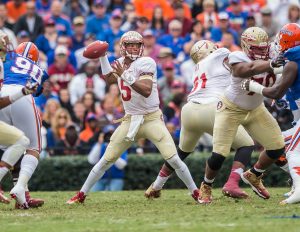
{"x":215,"y":161}
{"x":243,"y":155}
{"x":14,"y":152}
{"x":275,"y":154}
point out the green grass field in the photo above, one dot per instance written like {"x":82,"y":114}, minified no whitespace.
{"x":174,"y":211}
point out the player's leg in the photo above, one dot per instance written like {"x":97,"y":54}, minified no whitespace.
{"x":155,"y":130}
{"x":282,"y":162}
{"x":16,"y":143}
{"x":114,"y":150}
{"x":227,"y":120}
{"x":294,"y":167}
{"x":263,"y":128}
{"x":28,"y":122}
{"x":32,"y":202}
{"x":193,"y":123}
{"x":244,"y":145}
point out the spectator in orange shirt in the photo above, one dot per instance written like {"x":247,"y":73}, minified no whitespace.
{"x":91,"y":131}
{"x":169,"y":12}
{"x":208,"y":17}
{"x":228,"y":42}
{"x":146,"y":7}
{"x":15,"y":9}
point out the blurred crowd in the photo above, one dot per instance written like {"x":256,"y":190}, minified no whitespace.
{"x":77,"y":108}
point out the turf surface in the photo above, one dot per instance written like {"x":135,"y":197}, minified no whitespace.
{"x":174,"y":211}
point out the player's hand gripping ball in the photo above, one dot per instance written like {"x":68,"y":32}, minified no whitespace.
{"x":95,"y":50}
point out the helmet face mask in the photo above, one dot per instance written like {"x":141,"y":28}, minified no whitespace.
{"x":202,"y":49}
{"x":132,"y":45}
{"x":255,"y":43}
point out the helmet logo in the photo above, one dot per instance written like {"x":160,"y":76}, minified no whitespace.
{"x":286,"y":32}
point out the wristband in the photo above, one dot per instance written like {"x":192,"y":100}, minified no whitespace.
{"x":105,"y":65}
{"x":16,"y":96}
{"x":256,"y":87}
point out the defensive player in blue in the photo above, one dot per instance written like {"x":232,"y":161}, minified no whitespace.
{"x":289,"y":84}
{"x":21,"y":69}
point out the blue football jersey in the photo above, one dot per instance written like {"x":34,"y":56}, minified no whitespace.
{"x":293,"y":93}
{"x":19,"y":70}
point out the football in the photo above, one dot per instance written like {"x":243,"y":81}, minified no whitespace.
{"x":95,"y":49}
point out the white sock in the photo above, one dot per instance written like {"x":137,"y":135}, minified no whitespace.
{"x":160,"y":182}
{"x":182,"y":172}
{"x":95,"y":174}
{"x":239,"y":171}
{"x":209,"y":181}
{"x":28,"y":166}
{"x":259,"y":170}
{"x":3,"y":171}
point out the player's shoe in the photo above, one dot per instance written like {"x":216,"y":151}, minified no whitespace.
{"x":256,"y":184}
{"x":231,"y":189}
{"x":196,"y":195}
{"x":294,"y":198}
{"x":152,"y":193}
{"x":78,"y":198}
{"x":18,"y":193}
{"x":3,"y":198}
{"x":205,"y":195}
{"x":32,"y":202}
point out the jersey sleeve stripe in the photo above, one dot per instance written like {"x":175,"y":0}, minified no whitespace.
{"x":295,"y":141}
{"x":38,"y":125}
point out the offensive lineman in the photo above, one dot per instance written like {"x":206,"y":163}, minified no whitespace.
{"x":198,"y":115}
{"x":289,"y":84}
{"x":20,"y":68}
{"x":136,"y":77}
{"x":239,"y":107}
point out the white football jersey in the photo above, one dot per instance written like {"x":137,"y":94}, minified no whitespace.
{"x":211,"y":77}
{"x":242,"y":98}
{"x":134,"y":103}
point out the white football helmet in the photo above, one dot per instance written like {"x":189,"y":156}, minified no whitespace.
{"x":255,"y":43}
{"x":131,"y":37}
{"x":202,"y":49}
